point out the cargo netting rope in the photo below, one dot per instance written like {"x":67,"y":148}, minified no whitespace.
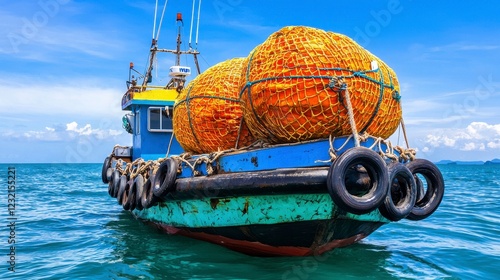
{"x":208,"y":114}
{"x":288,"y":94}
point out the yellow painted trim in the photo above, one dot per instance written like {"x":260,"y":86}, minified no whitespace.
{"x":156,"y":94}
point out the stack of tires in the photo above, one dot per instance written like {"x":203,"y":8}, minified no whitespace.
{"x":359,"y":181}
{"x":140,"y":192}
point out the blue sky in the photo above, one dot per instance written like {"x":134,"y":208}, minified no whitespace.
{"x":64,"y":65}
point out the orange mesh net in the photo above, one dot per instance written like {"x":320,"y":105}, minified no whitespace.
{"x":288,"y":95}
{"x":208,"y":114}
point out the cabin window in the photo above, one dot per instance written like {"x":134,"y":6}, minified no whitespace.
{"x":159,"y":119}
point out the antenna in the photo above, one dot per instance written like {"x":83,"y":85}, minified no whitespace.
{"x":191,"y":27}
{"x":198,"y":26}
{"x":161,"y":19}
{"x":178,"y":73}
{"x":154,"y":21}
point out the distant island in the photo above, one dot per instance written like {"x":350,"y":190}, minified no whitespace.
{"x":489,"y":162}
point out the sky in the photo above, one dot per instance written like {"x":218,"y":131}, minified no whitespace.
{"x":64,"y":64}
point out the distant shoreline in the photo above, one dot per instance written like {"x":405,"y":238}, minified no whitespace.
{"x":453,"y":162}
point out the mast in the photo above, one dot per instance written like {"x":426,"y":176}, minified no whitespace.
{"x":178,"y":73}
{"x":148,"y":77}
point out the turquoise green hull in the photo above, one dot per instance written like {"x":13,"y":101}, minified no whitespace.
{"x":244,"y":211}
{"x":266,"y":225}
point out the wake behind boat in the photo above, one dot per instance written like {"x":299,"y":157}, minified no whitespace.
{"x":281,"y":153}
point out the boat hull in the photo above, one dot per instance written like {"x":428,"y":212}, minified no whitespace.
{"x":283,"y":224}
{"x":271,"y":201}
{"x":289,"y":239}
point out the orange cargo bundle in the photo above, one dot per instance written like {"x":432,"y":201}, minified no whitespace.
{"x":294,"y":87}
{"x":208,"y":114}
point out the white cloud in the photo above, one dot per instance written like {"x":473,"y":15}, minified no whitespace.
{"x":469,"y":147}
{"x":72,"y":131}
{"x":494,"y":144}
{"x":477,"y":136}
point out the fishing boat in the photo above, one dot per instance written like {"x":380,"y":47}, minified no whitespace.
{"x":273,"y":195}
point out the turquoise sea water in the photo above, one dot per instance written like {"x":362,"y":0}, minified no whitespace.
{"x":68,"y":227}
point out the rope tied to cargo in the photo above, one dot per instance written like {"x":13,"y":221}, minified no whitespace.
{"x":332,"y":151}
{"x":207,"y":159}
{"x":338,"y":85}
{"x":142,"y":168}
{"x":396,"y":95}
{"x":119,"y":166}
{"x":408,"y":154}
{"x":394,"y":153}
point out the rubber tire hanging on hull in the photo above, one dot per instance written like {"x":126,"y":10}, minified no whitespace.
{"x":129,"y":201}
{"x":402,"y":193}
{"x":111,"y":185}
{"x":114,"y":183}
{"x":109,"y":173}
{"x":139,"y":187}
{"x":104,"y":170}
{"x":435,"y":188}
{"x":376,"y":170}
{"x":165,"y":178}
{"x":148,"y":199}
{"x":122,"y":189}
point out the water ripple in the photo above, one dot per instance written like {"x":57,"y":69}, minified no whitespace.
{"x":69,"y":228}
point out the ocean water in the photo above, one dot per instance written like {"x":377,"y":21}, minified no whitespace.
{"x":67,"y":227}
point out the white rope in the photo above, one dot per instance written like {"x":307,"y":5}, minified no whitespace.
{"x":351,"y":118}
{"x":154,"y":21}
{"x":170,"y":144}
{"x":198,"y":24}
{"x":161,"y":20}
{"x":404,"y":133}
{"x":191,"y":27}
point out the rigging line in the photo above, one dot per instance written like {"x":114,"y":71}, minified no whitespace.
{"x":155,"y":62}
{"x":161,"y":20}
{"x":198,"y":24}
{"x":154,"y":23}
{"x":191,"y":27}
{"x":203,"y":58}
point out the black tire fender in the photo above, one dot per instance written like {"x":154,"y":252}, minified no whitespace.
{"x":139,"y":187}
{"x":129,"y":204}
{"x":111,"y":183}
{"x":109,"y":173}
{"x":375,"y":168}
{"x":122,"y":189}
{"x":402,"y":193}
{"x":425,"y":206}
{"x":104,"y":170}
{"x":124,"y":200}
{"x":165,"y":178}
{"x":116,"y":183}
{"x":148,"y":199}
